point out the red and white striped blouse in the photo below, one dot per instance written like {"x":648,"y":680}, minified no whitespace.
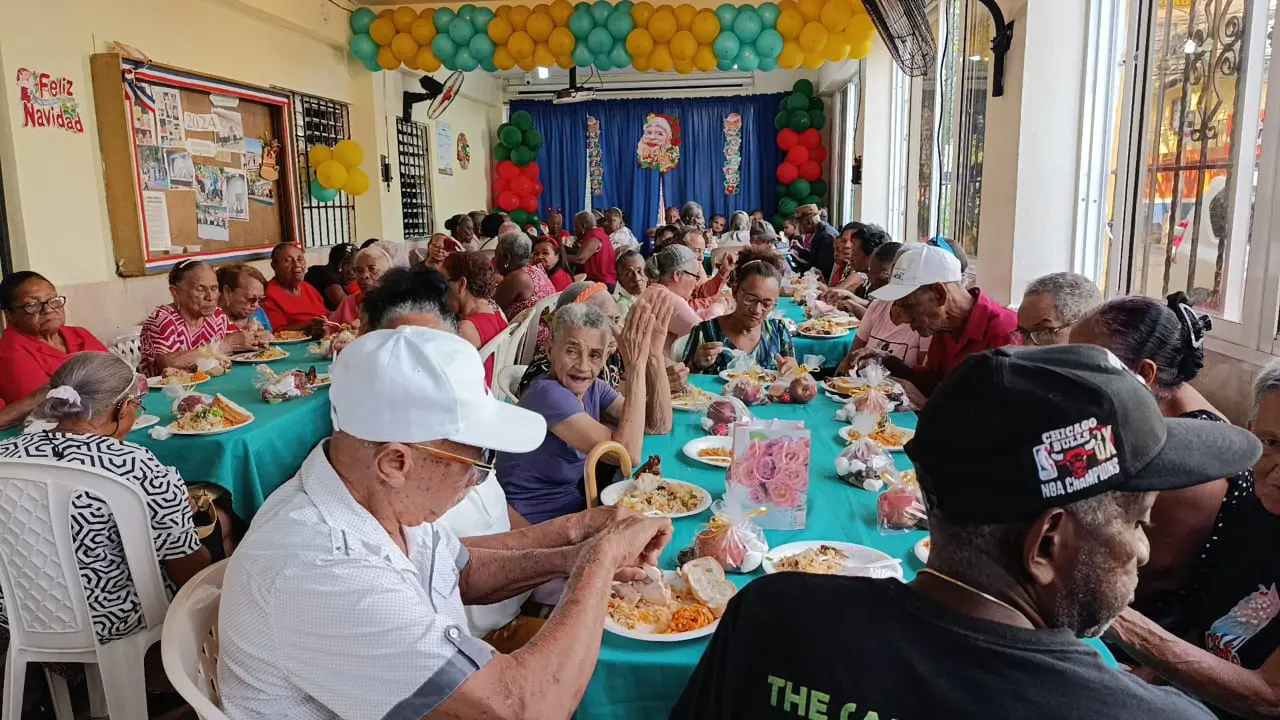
{"x":166,"y":332}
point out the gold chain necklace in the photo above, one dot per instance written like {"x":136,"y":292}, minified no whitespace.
{"x":974,"y":590}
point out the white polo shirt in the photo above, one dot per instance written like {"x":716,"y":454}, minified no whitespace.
{"x":324,"y":617}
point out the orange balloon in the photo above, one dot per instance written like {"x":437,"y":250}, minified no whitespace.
{"x":427,"y":60}
{"x":810,"y":9}
{"x":561,"y":41}
{"x":641,"y":12}
{"x":503,"y":11}
{"x":540,"y":26}
{"x":404,"y":46}
{"x":837,"y":47}
{"x":663,"y":25}
{"x":404,"y":17}
{"x":789,"y":24}
{"x":685,"y":13}
{"x":387,"y":60}
{"x":422,"y":31}
{"x":639,"y":43}
{"x":560,"y":12}
{"x":787,"y":5}
{"x":502,"y":58}
{"x":684,"y":67}
{"x":426,"y":13}
{"x":564,"y":62}
{"x":683,"y":46}
{"x":542,"y":8}
{"x":382,"y":31}
{"x":813,"y":38}
{"x":705,"y":27}
{"x":705,"y":59}
{"x":543,"y":57}
{"x":519,"y":16}
{"x":411,"y":63}
{"x":660,"y":59}
{"x":520,"y":45}
{"x":640,"y":64}
{"x":500,"y":30}
{"x":860,"y":50}
{"x":388,"y":14}
{"x":813,"y":61}
{"x":860,"y":28}
{"x":791,"y":56}
{"x":527,"y":64}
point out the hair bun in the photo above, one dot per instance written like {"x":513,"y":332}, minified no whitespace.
{"x":1195,"y":328}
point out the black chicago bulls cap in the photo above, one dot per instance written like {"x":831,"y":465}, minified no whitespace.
{"x":1015,"y":431}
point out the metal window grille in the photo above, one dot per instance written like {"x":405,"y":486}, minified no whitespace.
{"x":415,"y":180}
{"x":319,"y":121}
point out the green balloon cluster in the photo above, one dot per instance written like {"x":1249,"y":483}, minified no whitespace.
{"x":462,"y":40}
{"x":747,"y":39}
{"x":517,"y":140}
{"x":798,"y":121}
{"x":801,"y":109}
{"x":601,"y":32}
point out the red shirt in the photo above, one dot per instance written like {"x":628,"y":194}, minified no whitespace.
{"x":488,"y":325}
{"x":26,"y":362}
{"x":560,"y":279}
{"x":599,"y":267}
{"x":284,"y":309}
{"x":166,"y":332}
{"x":989,"y":326}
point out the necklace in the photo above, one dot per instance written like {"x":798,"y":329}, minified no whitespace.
{"x":974,"y":590}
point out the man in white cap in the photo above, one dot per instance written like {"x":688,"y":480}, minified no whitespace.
{"x":927,"y":291}
{"x":346,"y":599}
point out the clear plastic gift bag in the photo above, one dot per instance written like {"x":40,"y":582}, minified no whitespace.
{"x":864,"y":463}
{"x":719,"y":417}
{"x":746,"y":378}
{"x":798,"y":385}
{"x":282,"y":386}
{"x":900,"y":508}
{"x":732,"y":537}
{"x":770,"y":469}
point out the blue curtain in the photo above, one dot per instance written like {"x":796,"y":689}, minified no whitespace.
{"x":563,"y":157}
{"x":626,"y":184}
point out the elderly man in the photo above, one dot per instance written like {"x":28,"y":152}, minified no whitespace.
{"x":595,"y":254}
{"x":620,"y":236}
{"x":817,"y":240}
{"x":1052,"y":304}
{"x":345,"y":599}
{"x":927,"y":293}
{"x":691,"y":215}
{"x":1039,"y":467}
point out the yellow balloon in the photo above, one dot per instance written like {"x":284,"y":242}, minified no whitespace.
{"x":412,"y":63}
{"x":388,"y":15}
{"x":540,"y":26}
{"x":526,"y":64}
{"x":382,"y":31}
{"x":860,"y":28}
{"x":426,"y":13}
{"x":791,"y":56}
{"x":560,"y":41}
{"x":520,"y":45}
{"x":499,"y":30}
{"x":684,"y":67}
{"x":319,"y":155}
{"x":639,"y":43}
{"x":519,"y":16}
{"x":860,"y":50}
{"x":640,"y":64}
{"x":404,"y":46}
{"x":349,"y":153}
{"x":813,"y":61}
{"x":787,"y":5}
{"x":387,"y":60}
{"x":789,"y":24}
{"x":564,"y":62}
{"x":560,"y":12}
{"x":660,"y":59}
{"x":427,"y":60}
{"x":543,"y":57}
{"x":641,"y":12}
{"x":422,"y":31}
{"x":503,"y":11}
{"x":685,"y":13}
{"x":705,"y":59}
{"x":683,"y":46}
{"x":837,"y":47}
{"x":813,"y":38}
{"x":331,"y":174}
{"x":810,"y":9}
{"x":663,"y":26}
{"x":502,"y":58}
{"x":357,"y":182}
{"x":404,"y":17}
{"x":836,"y":15}
{"x":705,"y":27}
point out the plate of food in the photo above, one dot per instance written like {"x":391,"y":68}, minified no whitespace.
{"x":144,"y":421}
{"x":651,"y":494}
{"x":196,"y":416}
{"x":759,"y":374}
{"x":671,"y":606}
{"x":266,"y":354}
{"x":714,"y":450}
{"x":172,"y":376}
{"x":286,"y":337}
{"x":693,"y":398}
{"x":822,"y":328}
{"x":889,"y":436}
{"x":322,"y":380}
{"x":820,"y":557}
{"x":922,"y":549}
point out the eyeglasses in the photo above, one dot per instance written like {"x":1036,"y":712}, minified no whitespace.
{"x":35,"y":307}
{"x":1038,"y":337}
{"x":481,"y":468}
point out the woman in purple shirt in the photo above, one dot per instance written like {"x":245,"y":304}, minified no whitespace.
{"x":582,"y":411}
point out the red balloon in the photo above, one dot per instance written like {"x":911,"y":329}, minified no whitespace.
{"x":500,"y":185}
{"x":537,"y":188}
{"x":818,"y":154}
{"x":787,"y":173}
{"x":810,"y":138}
{"x":530,"y":171}
{"x":529,"y":203}
{"x":522,"y":186}
{"x":509,"y":201}
{"x":787,"y":138}
{"x":811,"y":171}
{"x":507,"y":170}
{"x":798,"y":155}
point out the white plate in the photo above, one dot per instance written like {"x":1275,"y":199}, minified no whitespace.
{"x":817,"y":336}
{"x":724,"y":375}
{"x":157,"y":382}
{"x":847,"y":429}
{"x":219,"y":431}
{"x":617,"y":629}
{"x":247,"y":357}
{"x":922,"y":549}
{"x":145,"y":421}
{"x":696,"y":401}
{"x":612,"y":494}
{"x":692,"y":447}
{"x":322,"y":380}
{"x":858,"y":555}
{"x":278,"y":341}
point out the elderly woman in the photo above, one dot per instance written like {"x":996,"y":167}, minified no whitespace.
{"x":1163,"y":344}
{"x":675,"y":269}
{"x":464,"y":231}
{"x":548,"y":254}
{"x":853,"y":250}
{"x":581,"y":293}
{"x":524,"y":283}
{"x":555,"y":227}
{"x":36,"y":338}
{"x":631,"y":279}
{"x":581,"y":409}
{"x":291,"y":303}
{"x":240,"y":291}
{"x":180,"y":333}
{"x":438,"y":248}
{"x":471,"y":285}
{"x":371,"y":263}
{"x":94,"y":400}
{"x":332,"y":278}
{"x":1052,"y":305}
{"x":739,"y":232}
{"x":691,"y":215}
{"x":748,"y":328}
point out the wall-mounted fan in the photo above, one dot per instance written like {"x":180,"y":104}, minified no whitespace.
{"x":440,"y":94}
{"x":905,"y":29}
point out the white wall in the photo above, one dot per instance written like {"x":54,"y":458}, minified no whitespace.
{"x":875,"y":137}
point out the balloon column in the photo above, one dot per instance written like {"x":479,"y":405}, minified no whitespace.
{"x":800,"y":173}
{"x":516,"y":185}
{"x":337,"y":168}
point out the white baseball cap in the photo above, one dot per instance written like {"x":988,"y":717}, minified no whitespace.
{"x":413,"y":385}
{"x":919,"y":265}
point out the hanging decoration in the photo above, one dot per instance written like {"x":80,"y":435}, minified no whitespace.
{"x":595,"y":168}
{"x":659,"y":145}
{"x":516,"y":185}
{"x":732,"y":152}
{"x":48,"y":102}
{"x":337,"y":168}
{"x":800,"y":173}
{"x":608,"y":36}
{"x":464,"y":151}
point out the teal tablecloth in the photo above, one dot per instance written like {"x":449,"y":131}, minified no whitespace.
{"x":832,"y":350}
{"x":635,"y":679}
{"x":252,"y":461}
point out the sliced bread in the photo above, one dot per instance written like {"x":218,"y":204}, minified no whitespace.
{"x":707,"y":583}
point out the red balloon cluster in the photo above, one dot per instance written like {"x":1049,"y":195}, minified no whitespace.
{"x":517,"y":188}
{"x":804,"y":155}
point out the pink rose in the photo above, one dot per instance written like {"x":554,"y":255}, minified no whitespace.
{"x":783,"y":495}
{"x":794,"y":480}
{"x":757,"y":496}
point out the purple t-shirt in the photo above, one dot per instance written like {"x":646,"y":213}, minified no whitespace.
{"x":547,"y":482}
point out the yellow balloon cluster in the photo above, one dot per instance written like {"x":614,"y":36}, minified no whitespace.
{"x":670,"y":37}
{"x":818,"y":31}
{"x":404,"y":38}
{"x":337,"y":167}
{"x":532,"y":37}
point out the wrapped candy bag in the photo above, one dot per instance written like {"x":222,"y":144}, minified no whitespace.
{"x":746,"y":387}
{"x":185,"y":402}
{"x":732,"y":538}
{"x":213,"y":360}
{"x":770,"y":469}
{"x":862,"y":463}
{"x":289,"y":385}
{"x":883,"y":395}
{"x":797,"y":386}
{"x":901,"y":507}
{"x":722,"y":413}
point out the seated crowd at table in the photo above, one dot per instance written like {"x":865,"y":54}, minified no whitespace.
{"x":435,"y":556}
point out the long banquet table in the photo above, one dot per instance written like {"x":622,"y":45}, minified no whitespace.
{"x":636,"y":679}
{"x":832,"y":350}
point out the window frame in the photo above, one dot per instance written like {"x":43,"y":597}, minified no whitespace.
{"x":415,"y":205}
{"x":335,"y":219}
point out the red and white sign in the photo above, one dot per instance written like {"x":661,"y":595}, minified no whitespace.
{"x":48,"y":101}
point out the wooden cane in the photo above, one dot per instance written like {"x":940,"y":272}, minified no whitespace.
{"x":608,"y":447}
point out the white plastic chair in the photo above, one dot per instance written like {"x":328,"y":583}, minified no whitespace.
{"x":128,"y":347}
{"x":529,"y":341}
{"x":44,"y":598}
{"x":497,"y":347}
{"x":189,"y":643}
{"x":505,"y":382}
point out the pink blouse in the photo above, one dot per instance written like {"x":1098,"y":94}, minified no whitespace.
{"x":348,"y":310}
{"x":166,"y":332}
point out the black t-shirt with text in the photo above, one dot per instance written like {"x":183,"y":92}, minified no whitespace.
{"x":824,"y":647}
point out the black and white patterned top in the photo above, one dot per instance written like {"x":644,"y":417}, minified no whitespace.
{"x":113,"y":601}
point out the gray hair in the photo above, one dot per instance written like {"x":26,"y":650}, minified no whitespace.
{"x":515,"y":245}
{"x":667,"y":261}
{"x":691,"y":213}
{"x":418,"y":307}
{"x":378,"y":250}
{"x":1267,"y":382}
{"x":739,"y":220}
{"x":1074,"y":295}
{"x":508,"y":226}
{"x":580,"y":316}
{"x":586,"y":217}
{"x":86,"y":385}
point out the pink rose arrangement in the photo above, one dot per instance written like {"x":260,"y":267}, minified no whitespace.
{"x":774,"y":471}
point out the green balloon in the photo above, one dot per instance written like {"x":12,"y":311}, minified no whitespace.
{"x":815,"y":103}
{"x":796,"y":101}
{"x":600,"y":11}
{"x":798,"y":120}
{"x":813,"y":200}
{"x":583,"y":6}
{"x":361,"y":19}
{"x":726,"y":14}
{"x":322,"y":193}
{"x":781,"y":120}
{"x":602,"y":61}
{"x":480,"y":18}
{"x":371,"y":65}
{"x":799,"y":189}
{"x":481,"y":46}
{"x":582,"y":56}
{"x":780,"y":189}
{"x":725,"y":46}
{"x":501,"y":152}
{"x":804,"y":87}
{"x":767,"y":64}
{"x":778,"y":221}
{"x":521,"y":155}
{"x":522,"y":119}
{"x":599,"y":40}
{"x":520,"y":217}
{"x":787,"y":206}
{"x":581,"y":24}
{"x":532,"y":139}
{"x":768,"y":15}
{"x":511,"y":136}
{"x":619,"y":24}
{"x":363,"y":48}
{"x":817,"y":119}
{"x":818,"y":187}
{"x":619,"y":55}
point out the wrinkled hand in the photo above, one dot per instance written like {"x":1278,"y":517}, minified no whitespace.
{"x":677,"y":375}
{"x":706,"y":355}
{"x":858,"y":358}
{"x":914,"y":396}
{"x":316,"y":327}
{"x":637,"y":335}
{"x":786,"y":365}
{"x":727,"y":263}
{"x":835,"y":295}
{"x":664,"y":308}
{"x":632,"y":542}
{"x":241,"y":340}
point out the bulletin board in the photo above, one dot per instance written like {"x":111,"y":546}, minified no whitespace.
{"x":196,"y":166}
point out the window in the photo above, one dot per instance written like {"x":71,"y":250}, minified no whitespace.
{"x":973,"y":83}
{"x":415,"y":182}
{"x":318,"y":121}
{"x":899,"y":152}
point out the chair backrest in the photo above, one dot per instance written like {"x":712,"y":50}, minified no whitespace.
{"x":189,"y":641}
{"x":505,"y":382}
{"x":497,"y":346}
{"x":128,"y":347}
{"x":529,"y":342}
{"x":43,"y":593}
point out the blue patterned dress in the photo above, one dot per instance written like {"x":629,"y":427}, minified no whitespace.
{"x":774,"y":340}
